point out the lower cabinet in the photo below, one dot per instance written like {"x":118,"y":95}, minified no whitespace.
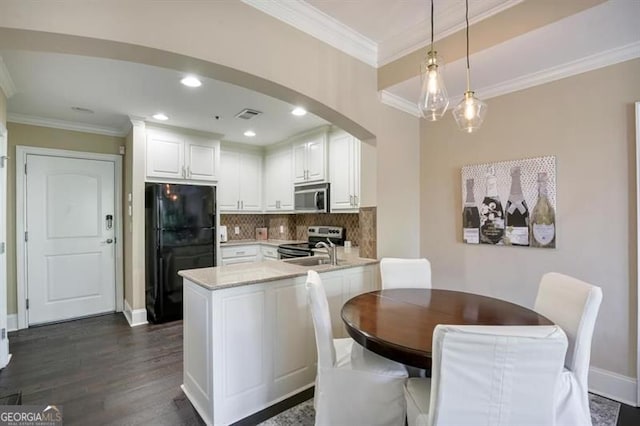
{"x":240,"y":254}
{"x":248,"y":347}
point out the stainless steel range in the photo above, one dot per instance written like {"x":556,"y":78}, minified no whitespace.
{"x":335,"y":234}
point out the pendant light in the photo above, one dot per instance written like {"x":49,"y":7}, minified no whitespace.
{"x":433,"y":95}
{"x":470,"y":112}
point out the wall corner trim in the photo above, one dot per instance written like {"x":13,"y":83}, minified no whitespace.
{"x":613,"y":385}
{"x":12,"y":322}
{"x":134,"y":317}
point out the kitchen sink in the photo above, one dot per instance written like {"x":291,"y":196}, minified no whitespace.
{"x":309,"y":261}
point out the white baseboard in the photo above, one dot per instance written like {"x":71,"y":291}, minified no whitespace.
{"x":136,"y":316}
{"x":12,"y":322}
{"x":613,"y":386}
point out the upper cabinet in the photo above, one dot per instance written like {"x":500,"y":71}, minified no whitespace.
{"x":344,"y":171}
{"x":181,"y":156}
{"x":278,"y":180}
{"x":240,"y":183}
{"x":310,"y":158}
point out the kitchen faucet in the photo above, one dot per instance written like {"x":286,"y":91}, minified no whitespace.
{"x":331,"y":249}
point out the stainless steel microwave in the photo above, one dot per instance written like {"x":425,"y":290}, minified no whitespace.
{"x":312,"y":198}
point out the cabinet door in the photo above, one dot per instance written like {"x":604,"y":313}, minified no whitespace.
{"x":278,"y":181}
{"x":229,"y":181}
{"x":300,"y":163}
{"x":357,"y":147}
{"x":165,"y":155}
{"x":341,"y":172}
{"x":251,"y":182}
{"x":316,"y":159}
{"x":202,"y":160}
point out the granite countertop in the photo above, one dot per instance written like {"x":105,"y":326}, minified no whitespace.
{"x":268,"y":242}
{"x":221,"y":277}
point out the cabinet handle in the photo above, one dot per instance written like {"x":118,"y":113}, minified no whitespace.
{"x":355,"y":201}
{"x":189,"y":172}
{"x":184,"y":173}
{"x":238,"y":205}
{"x":241,"y":205}
{"x":239,"y":252}
{"x":351,"y":200}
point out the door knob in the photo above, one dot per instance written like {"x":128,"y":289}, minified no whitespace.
{"x":108,"y":241}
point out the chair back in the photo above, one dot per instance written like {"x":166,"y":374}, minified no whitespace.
{"x":573,"y":305}
{"x":321,"y":320}
{"x":405,"y":273}
{"x":495,"y":375}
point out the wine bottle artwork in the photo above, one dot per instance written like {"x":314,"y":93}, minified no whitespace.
{"x":516,"y":213}
{"x":491,"y":213}
{"x":470,"y":217}
{"x":543,"y":218}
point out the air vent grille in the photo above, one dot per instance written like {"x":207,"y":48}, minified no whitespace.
{"x":248,"y":114}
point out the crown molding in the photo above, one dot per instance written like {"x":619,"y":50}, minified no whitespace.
{"x":588,"y":63}
{"x":312,"y":21}
{"x":418,"y":36}
{"x":65,"y":125}
{"x":6,"y":83}
{"x":400,"y":103}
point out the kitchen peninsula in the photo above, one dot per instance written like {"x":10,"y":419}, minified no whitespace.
{"x":248,"y":336}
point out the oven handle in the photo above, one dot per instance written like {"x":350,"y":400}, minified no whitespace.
{"x":288,"y":253}
{"x":315,"y":198}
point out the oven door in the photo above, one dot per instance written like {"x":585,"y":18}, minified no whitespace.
{"x":290,"y":253}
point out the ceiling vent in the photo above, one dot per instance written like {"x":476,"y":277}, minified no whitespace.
{"x":248,"y":114}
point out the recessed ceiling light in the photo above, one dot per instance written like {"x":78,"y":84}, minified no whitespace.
{"x":299,"y":111}
{"x":250,"y":133}
{"x":160,"y":116}
{"x":191,"y":81}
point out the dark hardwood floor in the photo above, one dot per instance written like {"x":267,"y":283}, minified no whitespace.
{"x":104,"y":372}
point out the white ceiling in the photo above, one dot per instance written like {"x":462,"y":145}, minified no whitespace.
{"x":48,"y":85}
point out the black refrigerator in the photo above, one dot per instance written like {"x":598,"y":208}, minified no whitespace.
{"x":180,"y":234}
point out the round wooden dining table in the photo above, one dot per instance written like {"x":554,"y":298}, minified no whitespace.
{"x":398,"y":324}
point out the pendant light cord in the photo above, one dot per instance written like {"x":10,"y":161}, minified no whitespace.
{"x":467,"y":20}
{"x":431,"y":25}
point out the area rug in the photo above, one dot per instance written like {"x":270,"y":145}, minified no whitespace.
{"x":604,"y":412}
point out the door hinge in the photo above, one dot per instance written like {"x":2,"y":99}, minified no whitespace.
{"x":1,"y":248}
{"x":4,"y":334}
{"x":25,"y":168}
{"x":26,"y":235}
{"x":27,"y":303}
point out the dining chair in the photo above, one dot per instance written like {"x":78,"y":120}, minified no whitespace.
{"x":353,"y":385}
{"x":573,"y":305}
{"x":405,"y":273}
{"x":489,"y":375}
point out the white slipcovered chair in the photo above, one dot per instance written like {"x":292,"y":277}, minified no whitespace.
{"x":405,"y":273}
{"x":489,"y":375}
{"x":573,"y":305}
{"x":353,"y":385}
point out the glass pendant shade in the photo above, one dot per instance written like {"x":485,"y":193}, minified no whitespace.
{"x":470,"y":112}
{"x":433,"y":94}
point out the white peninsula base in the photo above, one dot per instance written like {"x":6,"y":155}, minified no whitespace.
{"x":250,"y":346}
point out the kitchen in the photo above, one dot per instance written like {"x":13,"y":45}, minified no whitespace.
{"x":421,"y":159}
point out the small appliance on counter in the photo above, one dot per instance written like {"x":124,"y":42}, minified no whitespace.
{"x":261,"y":234}
{"x":335,"y":234}
{"x":222,"y":229}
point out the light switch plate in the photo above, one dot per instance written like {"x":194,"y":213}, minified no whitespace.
{"x":237,"y":230}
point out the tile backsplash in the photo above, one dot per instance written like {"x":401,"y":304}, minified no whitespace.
{"x":360,"y":227}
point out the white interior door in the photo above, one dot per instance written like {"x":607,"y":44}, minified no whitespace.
{"x":70,"y":239}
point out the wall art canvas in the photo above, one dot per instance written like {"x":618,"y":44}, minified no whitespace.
{"x":510,"y":203}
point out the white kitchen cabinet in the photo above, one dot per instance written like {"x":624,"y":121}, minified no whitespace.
{"x":310,"y":158}
{"x":278,"y":181}
{"x":173,"y":155}
{"x":239,"y":186}
{"x":240,"y":254}
{"x":344,"y":172}
{"x":269,"y":252}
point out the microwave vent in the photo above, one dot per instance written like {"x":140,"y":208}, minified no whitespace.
{"x":248,"y":114}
